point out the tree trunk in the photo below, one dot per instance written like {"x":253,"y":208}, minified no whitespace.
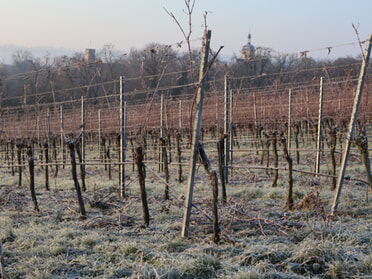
{"x":71,"y":147}
{"x":31,"y":165}
{"x":276,"y":158}
{"x":46,"y":155}
{"x":141,"y":178}
{"x":213,"y":175}
{"x":288,"y":158}
{"x":222,"y":166}
{"x":165,"y":167}
{"x":82,"y":167}
{"x":362,"y":143}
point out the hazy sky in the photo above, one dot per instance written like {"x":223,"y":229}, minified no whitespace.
{"x":287,"y":26}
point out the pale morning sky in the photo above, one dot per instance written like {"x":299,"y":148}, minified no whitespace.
{"x":287,"y":26}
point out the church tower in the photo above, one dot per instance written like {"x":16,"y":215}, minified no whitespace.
{"x":248,"y":50}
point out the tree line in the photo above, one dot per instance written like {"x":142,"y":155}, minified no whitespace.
{"x":33,"y":81}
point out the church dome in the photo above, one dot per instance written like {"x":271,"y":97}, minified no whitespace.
{"x":248,"y":50}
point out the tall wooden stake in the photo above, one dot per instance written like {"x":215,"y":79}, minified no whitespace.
{"x":196,"y":133}
{"x":319,"y":137}
{"x":83,"y":142}
{"x":289,"y":120}
{"x":226,"y":131}
{"x":100,"y":150}
{"x":161,"y":146}
{"x":63,"y":150}
{"x":46,"y":152}
{"x":353,"y":119}
{"x":231,"y":142}
{"x":180,"y":116}
{"x":122,"y":138}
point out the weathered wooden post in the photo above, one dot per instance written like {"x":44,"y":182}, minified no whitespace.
{"x":99,"y":133}
{"x":274,"y":142}
{"x":332,"y":150}
{"x":353,"y":119}
{"x":226,"y":131}
{"x":161,"y":142}
{"x":319,"y":137}
{"x":46,"y":152}
{"x":81,"y":151}
{"x":63,"y":149}
{"x":289,"y":130}
{"x":231,"y":120}
{"x":122,"y":138}
{"x":178,"y":143}
{"x":19,"y":160}
{"x":196,"y":133}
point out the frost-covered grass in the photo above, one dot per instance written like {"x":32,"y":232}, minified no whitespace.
{"x":260,"y":237}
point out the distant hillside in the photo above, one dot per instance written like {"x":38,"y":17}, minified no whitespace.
{"x":6,"y":52}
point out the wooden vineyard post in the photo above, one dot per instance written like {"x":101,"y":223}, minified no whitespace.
{"x":276,"y":158}
{"x":122,"y":138}
{"x":19,"y":158}
{"x":99,"y":133}
{"x":178,"y":144}
{"x":39,"y":141}
{"x":266,"y":150}
{"x":353,"y":119}
{"x":332,"y":150}
{"x":46,"y":152}
{"x":196,"y":133}
{"x":55,"y":156}
{"x":226,"y":132}
{"x":161,"y":142}
{"x":289,"y":131}
{"x":63,"y":150}
{"x":319,"y":136}
{"x":232,"y":129}
{"x":12,"y":156}
{"x":71,"y":146}
{"x":81,"y":151}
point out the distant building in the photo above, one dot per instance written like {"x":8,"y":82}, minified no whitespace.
{"x":90,"y":55}
{"x":248,"y":50}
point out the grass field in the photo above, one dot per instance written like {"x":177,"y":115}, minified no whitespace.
{"x":260,"y":238}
